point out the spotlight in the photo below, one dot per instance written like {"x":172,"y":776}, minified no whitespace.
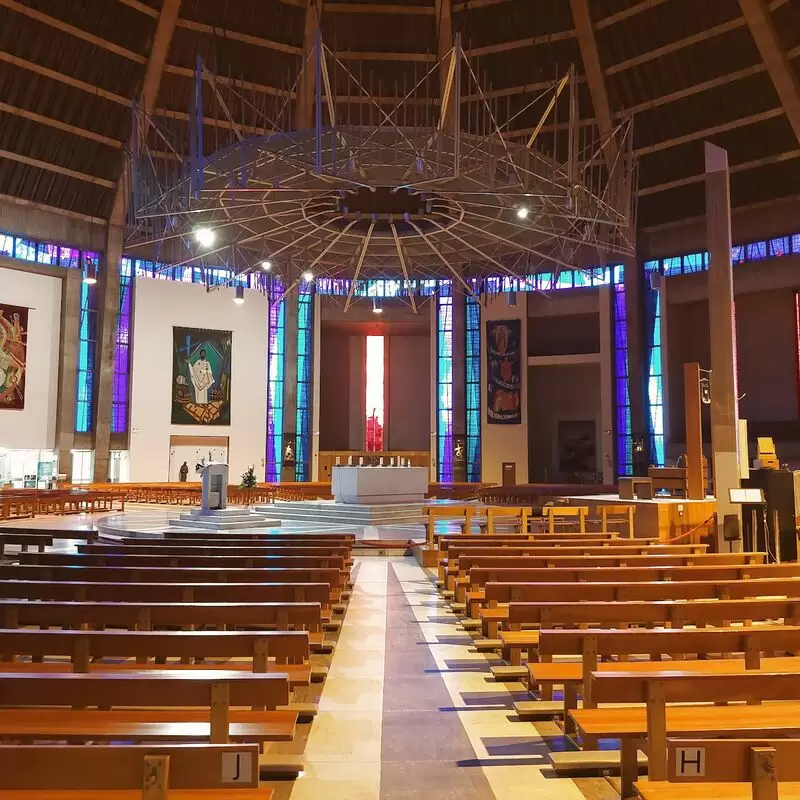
{"x":376,"y":309}
{"x":238,"y":296}
{"x":308,"y":276}
{"x":266,"y":266}
{"x":90,"y":273}
{"x":205,"y":237}
{"x":522,"y":212}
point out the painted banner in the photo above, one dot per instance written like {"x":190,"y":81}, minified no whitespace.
{"x":13,"y":356}
{"x":201,"y":377}
{"x":504,"y":369}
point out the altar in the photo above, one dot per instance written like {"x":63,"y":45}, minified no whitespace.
{"x":379,"y":485}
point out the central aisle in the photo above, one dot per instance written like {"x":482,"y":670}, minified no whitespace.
{"x":408,"y":711}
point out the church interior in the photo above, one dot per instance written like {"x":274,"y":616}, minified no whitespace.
{"x":399,"y":398}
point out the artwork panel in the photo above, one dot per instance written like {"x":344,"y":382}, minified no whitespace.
{"x":504,"y":370}
{"x":201,"y":376}
{"x":13,"y":356}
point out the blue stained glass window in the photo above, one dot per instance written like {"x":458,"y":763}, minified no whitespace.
{"x":48,"y":254}
{"x":755,"y":251}
{"x":472,"y":330}
{"x":444,"y":389}
{"x":305,"y":355}
{"x":655,"y":388}
{"x":795,"y":242}
{"x":737,"y":254}
{"x":621,"y":376}
{"x":652,"y":266}
{"x":672,"y":266}
{"x":780,"y":246}
{"x":695,"y":262}
{"x":87,"y":342}
{"x":275,"y":351}
{"x":119,"y":391}
{"x":6,"y":245}
{"x":25,"y":250}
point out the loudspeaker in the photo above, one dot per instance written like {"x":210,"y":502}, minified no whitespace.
{"x":731,"y":530}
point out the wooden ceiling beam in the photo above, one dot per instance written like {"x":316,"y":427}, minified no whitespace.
{"x":775,"y":58}
{"x":78,"y":33}
{"x":613,"y":19}
{"x":307,"y":82}
{"x":236,"y":36}
{"x":357,"y":55}
{"x":516,"y":44}
{"x":67,"y":80}
{"x":56,"y":168}
{"x":59,"y":125}
{"x":736,"y":168}
{"x":141,"y":7}
{"x":595,"y":79}
{"x":373,"y":8}
{"x":48,"y":209}
{"x":185,"y":72}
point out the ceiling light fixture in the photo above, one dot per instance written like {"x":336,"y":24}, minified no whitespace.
{"x":205,"y":237}
{"x":266,"y":266}
{"x":376,"y":309}
{"x":90,"y":272}
{"x":238,"y":296}
{"x":308,"y":276}
{"x":522,"y":212}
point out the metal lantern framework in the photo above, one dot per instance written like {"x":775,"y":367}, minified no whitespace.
{"x":426,"y":184}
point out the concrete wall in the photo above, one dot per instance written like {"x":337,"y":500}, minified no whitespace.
{"x":160,"y":305}
{"x":34,"y":426}
{"x":505,"y":443}
{"x":555,"y":393}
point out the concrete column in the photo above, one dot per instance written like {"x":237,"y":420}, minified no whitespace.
{"x":694,"y":431}
{"x":637,"y":361}
{"x":108,"y":311}
{"x":68,"y":369}
{"x":606,"y":386}
{"x":459,"y":382}
{"x":724,"y":401}
{"x":505,"y":443}
{"x":315,"y":388}
{"x":290,"y":382}
{"x":358,"y":396}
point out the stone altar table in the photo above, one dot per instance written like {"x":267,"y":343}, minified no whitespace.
{"x":379,"y":485}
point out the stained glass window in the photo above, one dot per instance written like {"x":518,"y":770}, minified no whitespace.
{"x":87,"y":344}
{"x":305,"y":355}
{"x":655,"y":386}
{"x":472,"y":330}
{"x":119,"y":392}
{"x":375,"y":388}
{"x":621,"y":376}
{"x":275,"y":351}
{"x":444,"y":389}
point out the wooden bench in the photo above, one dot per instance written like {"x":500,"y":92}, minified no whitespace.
{"x":757,"y":769}
{"x":257,"y":549}
{"x":135,"y":592}
{"x":86,"y":647}
{"x":480,"y":576}
{"x":215,"y":691}
{"x":137,"y":560}
{"x":700,"y":613}
{"x":24,"y":541}
{"x":59,"y":771}
{"x":175,"y":575}
{"x":647,"y":724}
{"x":614,"y":514}
{"x":443,"y":512}
{"x":565,"y":516}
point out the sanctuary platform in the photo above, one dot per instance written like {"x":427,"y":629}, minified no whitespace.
{"x":223,"y":520}
{"x":664,"y":517}
{"x":329,"y":512}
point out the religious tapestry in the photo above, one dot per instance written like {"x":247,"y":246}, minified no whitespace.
{"x":13,"y":360}
{"x":201,"y":377}
{"x":504,"y":368}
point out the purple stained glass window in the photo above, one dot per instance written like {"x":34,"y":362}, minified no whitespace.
{"x":275,"y":352}
{"x":444,"y":393}
{"x":119,"y":392}
{"x":623,"y":400}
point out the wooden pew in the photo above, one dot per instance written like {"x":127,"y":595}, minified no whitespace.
{"x":480,"y":576}
{"x":272,"y":538}
{"x":215,"y":691}
{"x":730,"y":769}
{"x":86,"y":647}
{"x":135,"y":592}
{"x":194,"y":561}
{"x":614,"y":514}
{"x":152,"y":616}
{"x":213,"y":550}
{"x":565,"y":516}
{"x":42,"y":572}
{"x":60,"y":772}
{"x":648,"y":724}
{"x":24,"y":540}
{"x":514,"y":640}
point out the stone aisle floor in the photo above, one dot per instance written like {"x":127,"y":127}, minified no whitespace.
{"x":408,"y":711}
